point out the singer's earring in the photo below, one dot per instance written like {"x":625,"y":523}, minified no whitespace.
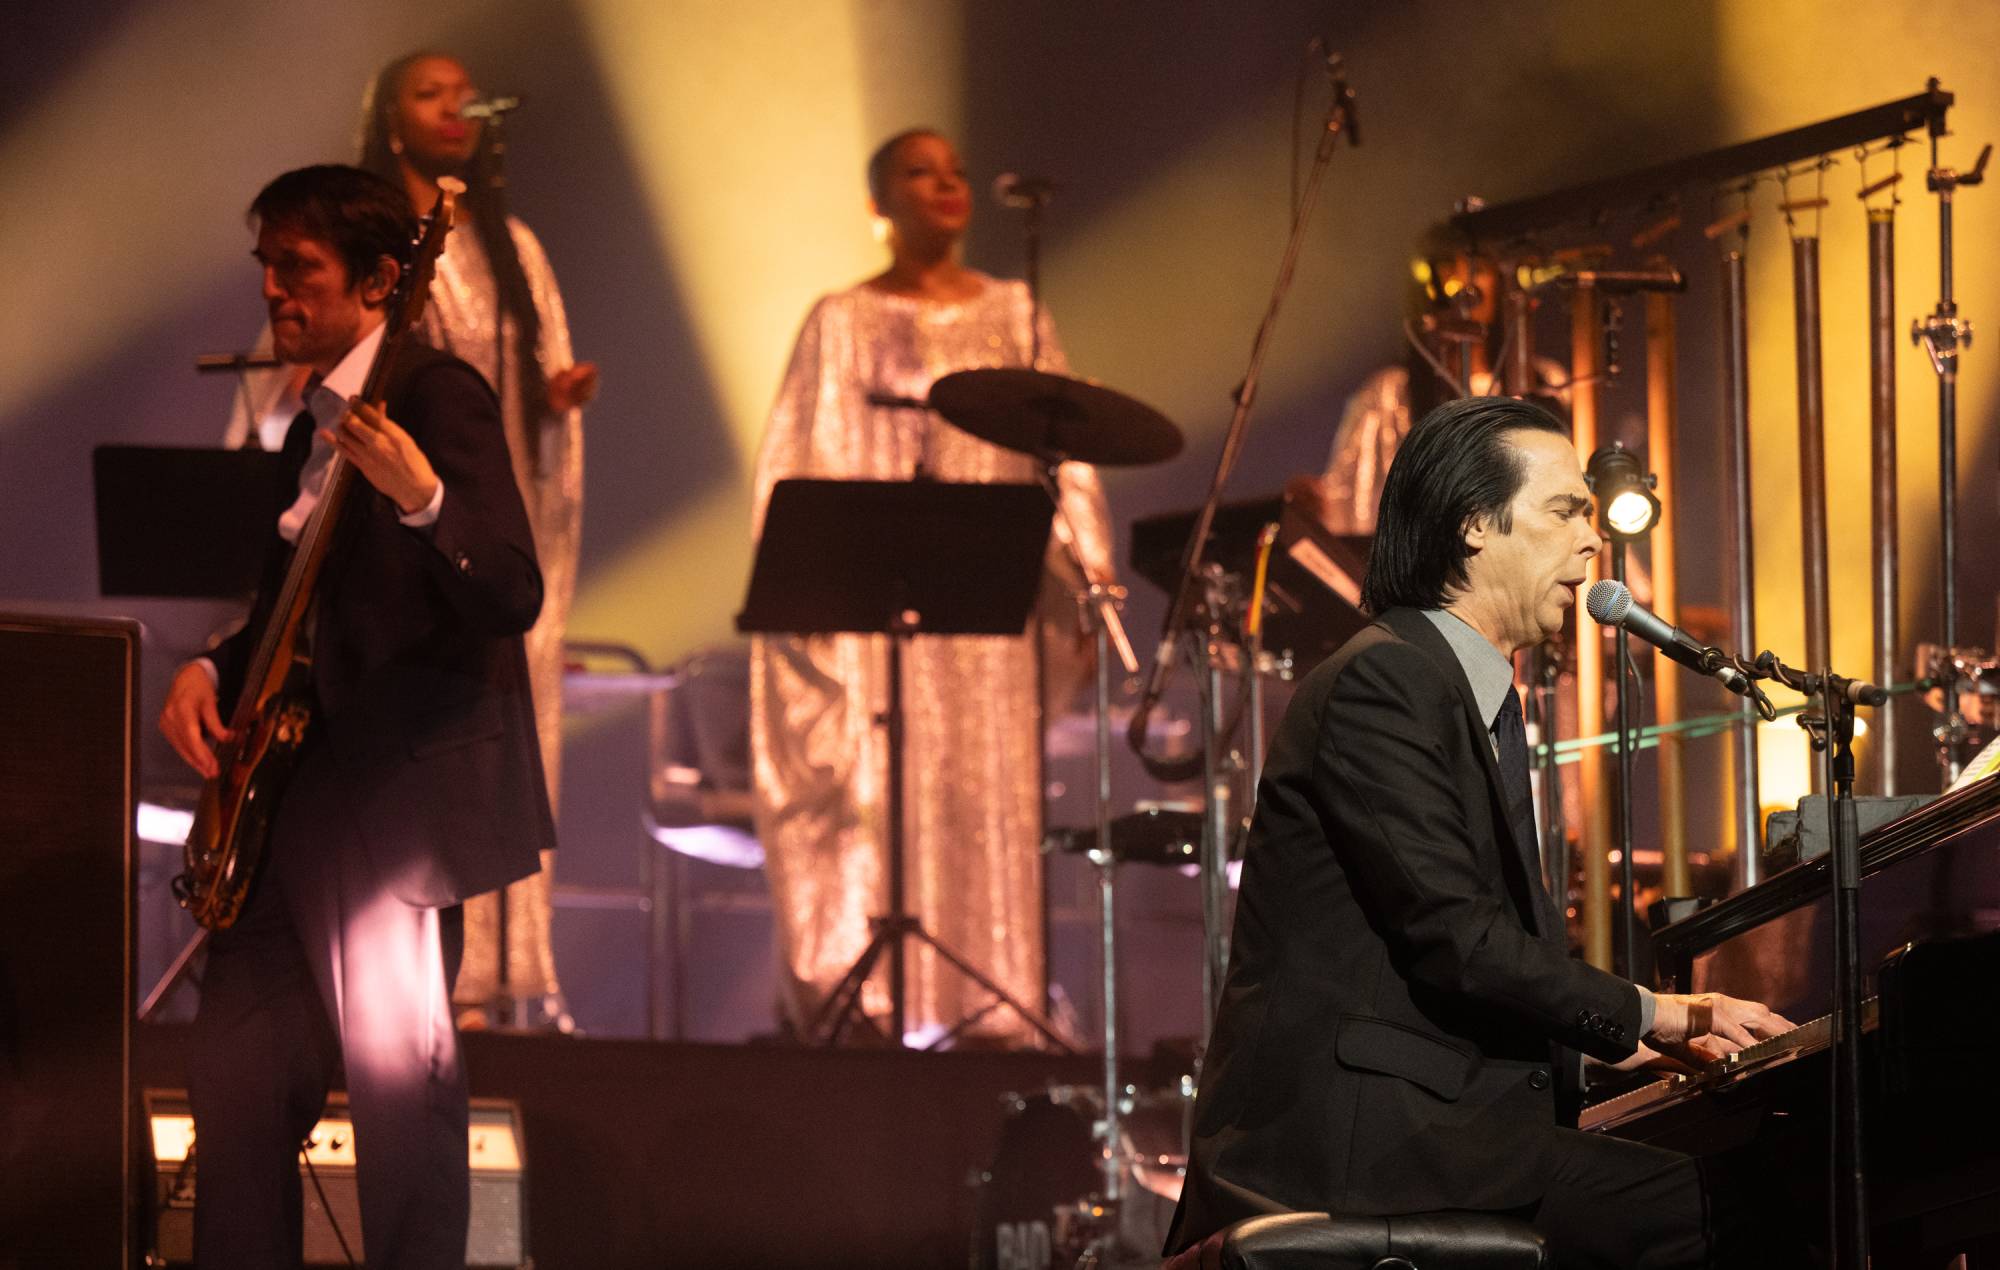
{"x":395,"y":145}
{"x":883,"y":230}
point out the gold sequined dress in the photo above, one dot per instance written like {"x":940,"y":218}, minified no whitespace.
{"x":463,"y":318}
{"x":972,"y":712}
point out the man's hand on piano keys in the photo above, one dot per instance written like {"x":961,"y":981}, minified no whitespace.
{"x":1648,"y":1059}
{"x":1708,"y":1026}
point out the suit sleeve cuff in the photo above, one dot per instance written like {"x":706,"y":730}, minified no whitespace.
{"x":426,"y":516}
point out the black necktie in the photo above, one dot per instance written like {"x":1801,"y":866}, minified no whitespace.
{"x":1512,"y":734}
{"x":298,"y":445}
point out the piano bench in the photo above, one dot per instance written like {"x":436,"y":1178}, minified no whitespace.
{"x":1421,"y":1241}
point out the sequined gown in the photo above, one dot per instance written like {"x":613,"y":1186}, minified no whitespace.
{"x":973,"y":811}
{"x":547,"y":451}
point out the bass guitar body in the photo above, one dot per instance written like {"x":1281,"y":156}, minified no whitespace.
{"x":232,"y":822}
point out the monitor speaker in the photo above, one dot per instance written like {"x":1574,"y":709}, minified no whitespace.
{"x":69,"y":689}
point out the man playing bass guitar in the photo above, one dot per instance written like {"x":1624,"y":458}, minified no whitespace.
{"x":418,"y":782}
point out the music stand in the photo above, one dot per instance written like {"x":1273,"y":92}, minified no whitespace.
{"x":900,"y":559}
{"x":185,"y":523}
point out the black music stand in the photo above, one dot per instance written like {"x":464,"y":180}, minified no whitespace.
{"x":901,"y":559}
{"x":185,"y":523}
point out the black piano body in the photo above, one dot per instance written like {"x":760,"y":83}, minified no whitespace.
{"x":1930,"y":946}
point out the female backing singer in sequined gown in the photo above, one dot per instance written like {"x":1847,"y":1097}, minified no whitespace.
{"x":972,"y":709}
{"x":494,"y":302}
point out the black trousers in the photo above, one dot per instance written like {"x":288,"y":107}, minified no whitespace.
{"x":326,"y":974}
{"x":1630,"y":1206}
{"x":1619,"y":1205}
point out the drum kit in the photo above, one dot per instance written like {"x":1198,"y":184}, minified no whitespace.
{"x":1078,"y":1167}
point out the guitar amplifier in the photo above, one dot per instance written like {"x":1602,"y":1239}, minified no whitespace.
{"x":496,"y":1236}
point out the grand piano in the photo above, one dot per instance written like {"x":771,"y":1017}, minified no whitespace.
{"x":1930,"y":948}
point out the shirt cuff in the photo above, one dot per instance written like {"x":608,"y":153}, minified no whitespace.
{"x":426,"y":516}
{"x":1648,"y":1006}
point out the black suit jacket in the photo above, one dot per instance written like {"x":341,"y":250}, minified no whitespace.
{"x":1389,"y":1036}
{"x":417,"y":660}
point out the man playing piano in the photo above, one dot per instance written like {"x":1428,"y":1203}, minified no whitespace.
{"x":1401,"y":1027}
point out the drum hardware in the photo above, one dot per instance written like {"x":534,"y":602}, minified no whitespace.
{"x":1971,"y":716}
{"x":1036,"y":1204}
{"x":1149,"y":835}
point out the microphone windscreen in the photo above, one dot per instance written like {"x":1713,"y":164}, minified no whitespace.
{"x":1608,"y":602}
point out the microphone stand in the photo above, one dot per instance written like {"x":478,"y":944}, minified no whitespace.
{"x":1832,"y":733}
{"x":506,"y":1006}
{"x":1627,"y":901}
{"x":1941,"y":334}
{"x":1197,"y":592}
{"x":1031,"y":244}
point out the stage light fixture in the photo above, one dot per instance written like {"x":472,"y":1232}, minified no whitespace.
{"x":1626,"y":503}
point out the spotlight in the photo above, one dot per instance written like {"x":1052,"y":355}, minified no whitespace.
{"x":1624,"y":489}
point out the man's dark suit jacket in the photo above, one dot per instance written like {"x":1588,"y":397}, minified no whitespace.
{"x":418,"y":664}
{"x":1390,"y":1035}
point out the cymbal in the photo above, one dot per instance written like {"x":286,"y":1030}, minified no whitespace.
{"x":1055,"y":417}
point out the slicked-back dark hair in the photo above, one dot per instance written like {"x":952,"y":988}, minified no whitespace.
{"x":885,"y":154}
{"x":1453,"y":468}
{"x":362,"y":216}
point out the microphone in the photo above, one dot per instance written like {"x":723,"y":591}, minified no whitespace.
{"x":1336,"y":76}
{"x":490,"y":108}
{"x":1011,"y":189}
{"x":1610,"y":603}
{"x":211,"y":363}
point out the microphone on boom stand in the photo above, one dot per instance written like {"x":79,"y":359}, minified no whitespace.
{"x":1610,"y":603}
{"x":490,"y":107}
{"x":1011,"y":189}
{"x":1336,"y":75}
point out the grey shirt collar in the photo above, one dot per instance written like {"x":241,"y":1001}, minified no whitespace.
{"x":1490,"y":674}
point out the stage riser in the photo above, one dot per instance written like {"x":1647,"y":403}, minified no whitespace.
{"x":644,"y":1155}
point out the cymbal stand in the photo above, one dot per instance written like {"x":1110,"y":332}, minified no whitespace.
{"x":1220,"y":764}
{"x":1098,"y":604}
